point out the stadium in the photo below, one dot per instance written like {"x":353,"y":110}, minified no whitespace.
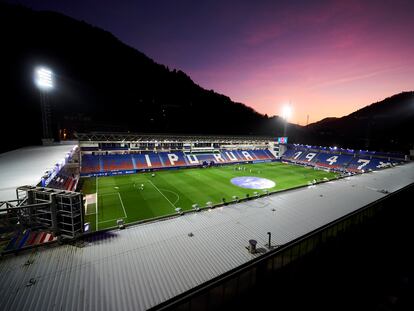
{"x":206,"y":155}
{"x":174,"y":221}
{"x":224,"y":170}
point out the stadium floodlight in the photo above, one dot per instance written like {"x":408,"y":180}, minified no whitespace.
{"x":44,"y":78}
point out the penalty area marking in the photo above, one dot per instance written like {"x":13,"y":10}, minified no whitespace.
{"x":161,"y":193}
{"x":110,"y":193}
{"x":104,"y":221}
{"x":120,"y":199}
{"x":175,"y":193}
{"x":122,"y":204}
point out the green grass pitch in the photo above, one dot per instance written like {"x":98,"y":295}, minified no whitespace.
{"x":122,"y":197}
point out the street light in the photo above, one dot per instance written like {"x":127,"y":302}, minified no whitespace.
{"x":44,"y":81}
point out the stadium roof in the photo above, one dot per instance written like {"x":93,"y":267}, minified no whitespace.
{"x":26,"y":166}
{"x":142,"y":266}
{"x":136,"y":137}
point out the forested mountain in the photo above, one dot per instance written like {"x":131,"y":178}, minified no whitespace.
{"x":104,"y":85}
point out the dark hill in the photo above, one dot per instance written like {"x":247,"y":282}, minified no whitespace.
{"x":385,"y":125}
{"x":103,"y":84}
{"x":325,"y":121}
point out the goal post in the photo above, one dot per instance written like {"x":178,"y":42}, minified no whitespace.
{"x":91,"y":204}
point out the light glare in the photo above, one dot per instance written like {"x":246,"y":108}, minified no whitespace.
{"x":43,"y":78}
{"x":286,"y":112}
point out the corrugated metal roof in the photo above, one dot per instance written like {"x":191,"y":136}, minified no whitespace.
{"x":26,"y":166}
{"x":142,"y":266}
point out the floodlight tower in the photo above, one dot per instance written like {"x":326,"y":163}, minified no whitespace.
{"x":44,"y":81}
{"x":286,"y":114}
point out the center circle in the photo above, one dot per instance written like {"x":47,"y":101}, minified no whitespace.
{"x":252,"y":182}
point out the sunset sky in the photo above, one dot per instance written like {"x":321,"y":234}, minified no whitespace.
{"x":328,"y":58}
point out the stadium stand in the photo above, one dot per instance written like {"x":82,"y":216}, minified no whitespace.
{"x":64,"y":180}
{"x":263,"y":155}
{"x":27,"y":238}
{"x":66,"y":177}
{"x":90,"y":163}
{"x":336,"y":161}
{"x":172,"y":159}
{"x":345,"y":160}
{"x":367,"y":163}
{"x":104,"y":163}
{"x":117,"y":162}
{"x":333,"y":158}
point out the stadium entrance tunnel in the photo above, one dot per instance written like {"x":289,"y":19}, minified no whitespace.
{"x":252,"y":182}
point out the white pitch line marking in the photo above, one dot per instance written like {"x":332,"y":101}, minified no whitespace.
{"x":120,"y":199}
{"x":97,"y":198}
{"x":175,"y":193}
{"x":115,"y":219}
{"x":161,"y":193}
{"x":110,"y":193}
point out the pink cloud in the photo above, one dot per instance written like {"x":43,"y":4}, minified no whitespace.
{"x":328,"y":62}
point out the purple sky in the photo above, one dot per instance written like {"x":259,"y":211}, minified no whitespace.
{"x":327,"y":58}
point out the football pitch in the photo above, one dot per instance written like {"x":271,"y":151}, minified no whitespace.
{"x":141,"y":196}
